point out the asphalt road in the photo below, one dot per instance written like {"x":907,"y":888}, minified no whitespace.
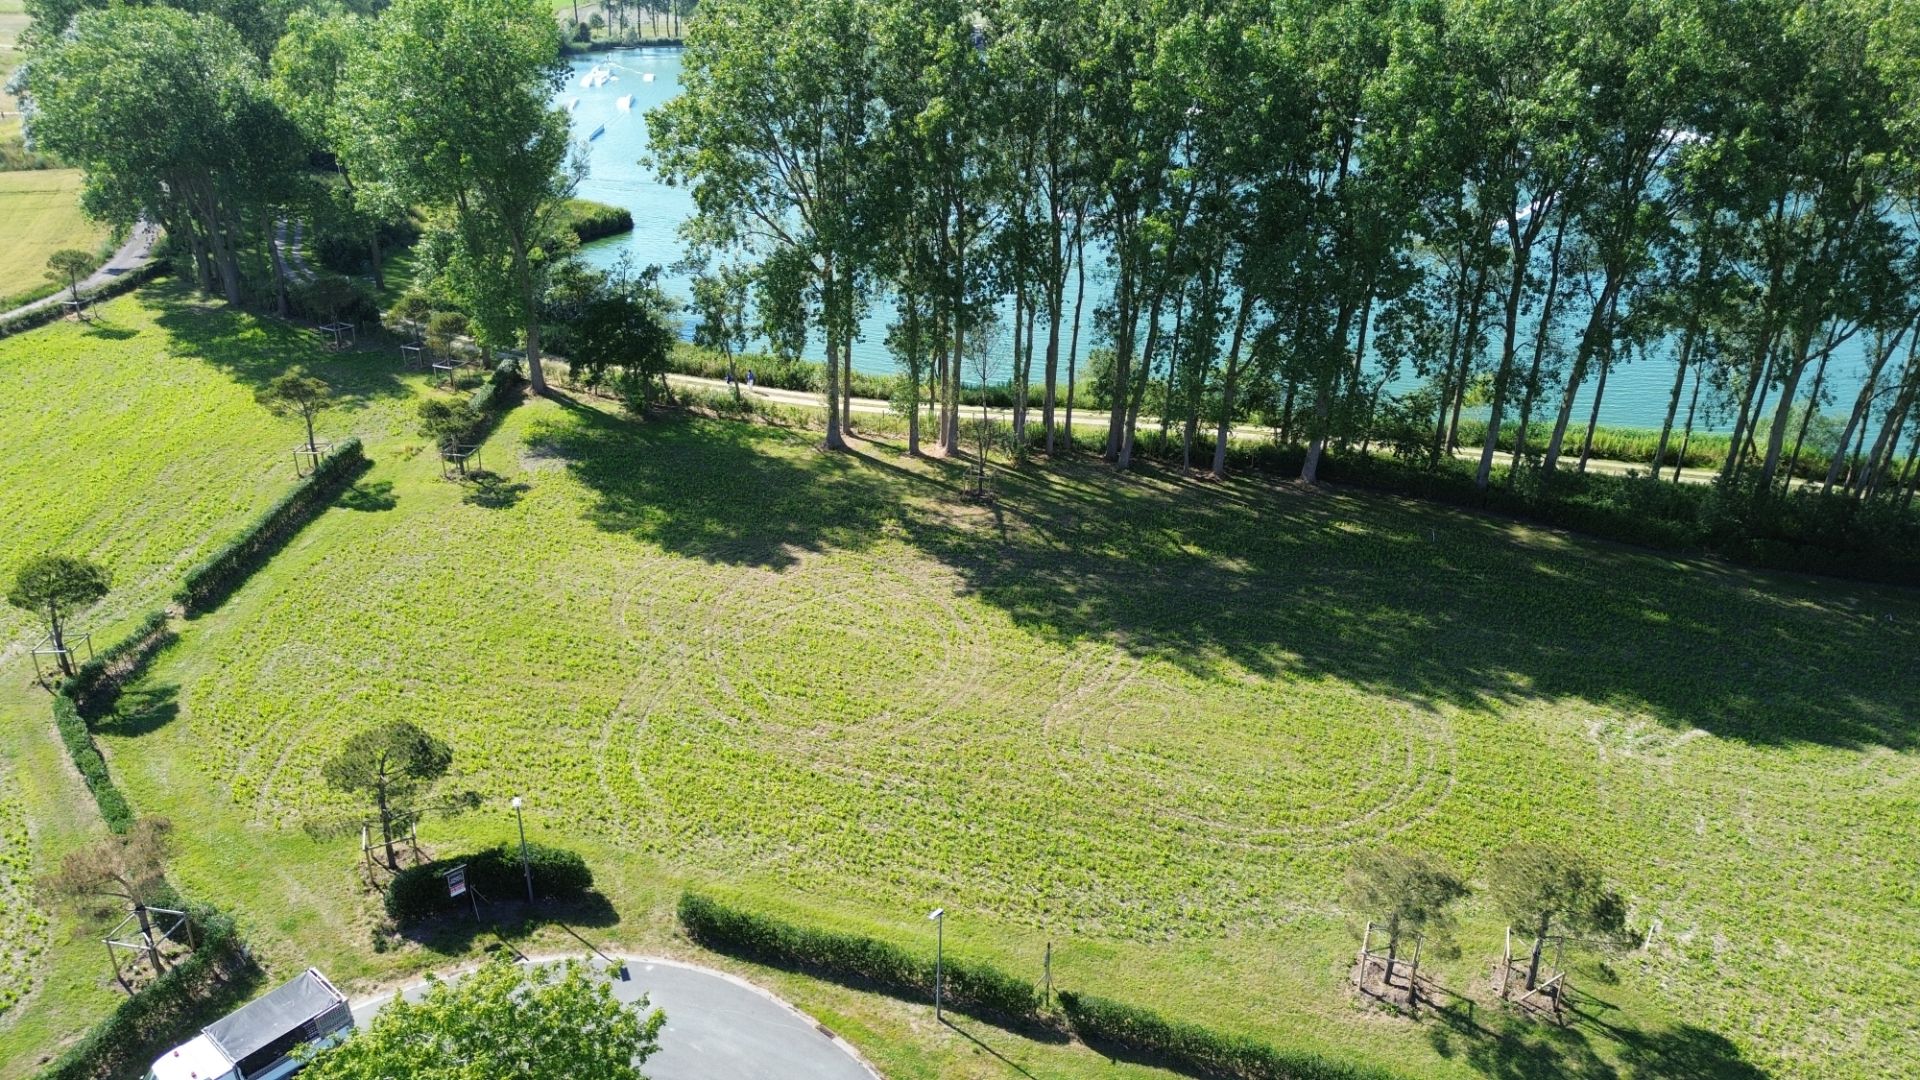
{"x":718,"y":1027}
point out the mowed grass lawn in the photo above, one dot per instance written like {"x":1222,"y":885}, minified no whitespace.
{"x":39,"y":215}
{"x":134,"y":440}
{"x":1144,"y":720}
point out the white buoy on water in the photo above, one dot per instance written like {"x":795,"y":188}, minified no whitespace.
{"x":625,"y":102}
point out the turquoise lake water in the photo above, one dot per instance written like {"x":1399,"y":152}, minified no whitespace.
{"x":1637,"y":392}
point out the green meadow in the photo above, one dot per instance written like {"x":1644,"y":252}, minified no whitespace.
{"x":1142,"y":720}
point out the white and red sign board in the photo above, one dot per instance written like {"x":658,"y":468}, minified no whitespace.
{"x":457,"y":881}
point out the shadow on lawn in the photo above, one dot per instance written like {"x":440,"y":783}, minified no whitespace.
{"x":1414,"y":601}
{"x":709,"y":489}
{"x":1509,"y":1048}
{"x":509,"y":919}
{"x":253,"y":348}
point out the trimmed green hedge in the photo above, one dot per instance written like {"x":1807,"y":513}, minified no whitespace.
{"x":123,"y":659}
{"x":976,"y":989}
{"x":1194,"y":1049}
{"x":207,"y":584}
{"x":93,"y":768}
{"x":418,"y":892}
{"x":500,"y":392}
{"x":166,"y":1011}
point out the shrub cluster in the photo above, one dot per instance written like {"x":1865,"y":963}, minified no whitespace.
{"x":500,"y":391}
{"x":123,"y":284}
{"x":114,"y":808}
{"x":1194,"y":1049}
{"x":215,"y":578}
{"x":591,"y":220}
{"x":419,"y":892}
{"x":165,"y":1011}
{"x":977,"y":989}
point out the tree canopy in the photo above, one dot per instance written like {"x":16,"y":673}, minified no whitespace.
{"x":538,"y":1022}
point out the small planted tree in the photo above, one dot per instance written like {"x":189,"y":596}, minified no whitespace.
{"x":445,"y":328}
{"x":1412,"y":891}
{"x":294,"y":392}
{"x":129,"y":869}
{"x":55,"y":586}
{"x":1551,"y":890}
{"x":67,"y":266}
{"x":548,"y":1022}
{"x":396,"y":766}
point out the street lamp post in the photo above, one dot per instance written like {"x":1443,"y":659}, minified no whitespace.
{"x":525,"y":866}
{"x":939,"y":918}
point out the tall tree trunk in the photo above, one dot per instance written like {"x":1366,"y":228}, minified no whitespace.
{"x":1530,"y":389}
{"x":1862,"y":407}
{"x":141,"y":913}
{"x":1673,"y":400}
{"x":830,"y":299}
{"x":1516,"y":285}
{"x":1686,"y":434}
{"x":1073,"y":350}
{"x":1229,"y":386}
{"x":1599,"y":326}
{"x":1783,"y":413}
{"x":279,"y":275}
{"x":1593,"y":415}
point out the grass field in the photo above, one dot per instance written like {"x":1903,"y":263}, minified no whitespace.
{"x":39,"y":215}
{"x":1145,"y":720}
{"x":133,"y":439}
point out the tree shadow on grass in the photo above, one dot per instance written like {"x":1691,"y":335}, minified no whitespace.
{"x":142,"y":710}
{"x":710,"y":490}
{"x":1412,"y":601}
{"x":253,"y":348}
{"x":491,"y":491}
{"x":369,"y":497}
{"x":1506,"y":1046}
{"x":454,"y":933}
{"x":1433,"y":605}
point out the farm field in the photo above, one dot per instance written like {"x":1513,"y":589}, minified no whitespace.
{"x":1146,"y":722}
{"x":39,"y":215}
{"x":135,"y":440}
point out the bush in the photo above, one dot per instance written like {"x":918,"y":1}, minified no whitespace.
{"x":419,"y":892}
{"x":977,"y":989}
{"x":168,"y":1010}
{"x":215,"y":578}
{"x":332,"y":298}
{"x":114,"y":808}
{"x":1194,"y":1049}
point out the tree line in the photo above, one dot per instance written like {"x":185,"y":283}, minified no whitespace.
{"x":1301,"y":208}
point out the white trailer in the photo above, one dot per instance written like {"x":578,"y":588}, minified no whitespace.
{"x":256,"y":1041}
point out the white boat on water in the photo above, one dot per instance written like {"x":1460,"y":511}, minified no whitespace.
{"x":572,"y":105}
{"x":625,"y":102}
{"x":597,"y":132}
{"x":648,"y":77}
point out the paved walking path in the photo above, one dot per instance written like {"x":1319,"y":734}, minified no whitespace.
{"x":132,"y":255}
{"x":719,"y":1027}
{"x":1094,"y":420}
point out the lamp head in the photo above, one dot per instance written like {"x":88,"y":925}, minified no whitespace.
{"x":938,"y":914}
{"x":516,"y":802}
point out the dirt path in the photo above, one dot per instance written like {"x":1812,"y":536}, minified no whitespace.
{"x":1084,"y":419}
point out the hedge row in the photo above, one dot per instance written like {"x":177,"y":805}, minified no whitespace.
{"x":215,"y":578}
{"x":125,"y":283}
{"x":93,"y":768}
{"x":976,"y":989}
{"x":1194,"y":1049}
{"x":420,"y":892}
{"x":500,"y":392}
{"x":165,"y":1011}
{"x":122,"y":660}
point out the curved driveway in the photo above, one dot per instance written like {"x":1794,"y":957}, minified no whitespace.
{"x":718,"y":1027}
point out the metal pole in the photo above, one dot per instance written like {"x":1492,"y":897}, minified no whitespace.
{"x":939,"y":917}
{"x":526,"y":867}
